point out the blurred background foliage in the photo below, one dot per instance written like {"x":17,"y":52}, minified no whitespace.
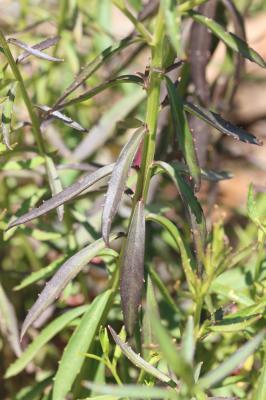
{"x":30,"y":254}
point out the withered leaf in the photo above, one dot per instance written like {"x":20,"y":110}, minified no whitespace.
{"x":33,"y":51}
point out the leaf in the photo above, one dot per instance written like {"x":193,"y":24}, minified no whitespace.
{"x":117,"y":181}
{"x":67,"y":194}
{"x":33,"y":51}
{"x":133,"y":391}
{"x":88,"y":94}
{"x":260,"y":389}
{"x":55,"y":183}
{"x":221,"y":124}
{"x":7,"y":114}
{"x":209,"y":175}
{"x":95,"y":64}
{"x":34,"y":391}
{"x":251,"y":204}
{"x":173,"y":357}
{"x":234,"y":324}
{"x":61,"y":117}
{"x":45,"y":44}
{"x":79,"y":344}
{"x":183,"y":133}
{"x":230,"y":40}
{"x":172,"y":22}
{"x":228,"y":366}
{"x":56,"y":326}
{"x":188,"y":341}
{"x":132,"y":268}
{"x":62,"y":277}
{"x":8,"y":322}
{"x":186,"y":262}
{"x":137,"y":360}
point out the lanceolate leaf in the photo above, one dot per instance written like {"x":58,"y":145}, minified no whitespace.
{"x":224,"y":369}
{"x":47,"y":334}
{"x":7,"y":114}
{"x":132,"y":268}
{"x":55,"y":183}
{"x":8,"y":322}
{"x":98,"y":89}
{"x":231,"y":40}
{"x":117,"y":181}
{"x":79,"y":344}
{"x":45,"y":44}
{"x":139,"y":361}
{"x":62,"y":117}
{"x":33,"y":51}
{"x":62,"y":277}
{"x":221,"y":124}
{"x":90,"y":68}
{"x":183,"y":133}
{"x":66,"y":195}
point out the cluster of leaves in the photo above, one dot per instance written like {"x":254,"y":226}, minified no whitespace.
{"x":196,"y":340}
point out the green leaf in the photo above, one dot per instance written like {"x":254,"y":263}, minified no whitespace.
{"x":186,"y":262}
{"x":65,"y":195}
{"x":173,"y":357}
{"x":79,"y":344}
{"x":230,"y":40}
{"x":95,"y":64}
{"x":55,"y":183}
{"x":188,"y":341}
{"x":7,"y":114}
{"x":226,"y":127}
{"x":228,"y":366}
{"x":260,"y":390}
{"x":183,"y":133}
{"x":117,"y":181}
{"x":8,"y":322}
{"x":132,"y":268}
{"x":56,"y":326}
{"x":33,"y":392}
{"x":138,"y":361}
{"x":133,"y":391}
{"x":62,"y":277}
{"x":234,"y":324}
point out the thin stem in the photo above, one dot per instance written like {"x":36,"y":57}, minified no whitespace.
{"x":188,"y":5}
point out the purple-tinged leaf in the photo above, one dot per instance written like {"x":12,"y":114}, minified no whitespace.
{"x":61,"y":117}
{"x":8,"y":322}
{"x":132,"y":268}
{"x":7,"y":114}
{"x":221,"y":124}
{"x":45,"y":44}
{"x":118,"y":179}
{"x":67,"y":194}
{"x":62,"y":277}
{"x":95,"y":64}
{"x":33,"y":51}
{"x":137,"y":360}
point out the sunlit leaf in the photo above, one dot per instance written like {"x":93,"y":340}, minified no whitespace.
{"x":62,"y":277}
{"x":44,"y":44}
{"x":231,"y":40}
{"x":67,"y":194}
{"x":45,"y":335}
{"x":61,"y":117}
{"x":33,"y":51}
{"x":132,"y":268}
{"x":118,"y":179}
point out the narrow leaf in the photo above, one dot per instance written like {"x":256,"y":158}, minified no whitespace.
{"x":7,"y":114}
{"x":95,"y":64}
{"x":45,"y":44}
{"x":234,"y":324}
{"x":61,"y":117}
{"x":137,"y":360}
{"x":183,"y":133}
{"x":79,"y":344}
{"x":47,"y":334}
{"x":188,"y":341}
{"x":221,"y":124}
{"x":62,"y":277}
{"x":55,"y":183}
{"x":228,"y":366}
{"x":133,"y":391}
{"x":67,"y":194}
{"x":8,"y":322}
{"x":230,"y":40}
{"x":132,"y":268}
{"x":260,"y":389}
{"x":33,"y":51}
{"x":118,"y":179}
{"x":172,"y":21}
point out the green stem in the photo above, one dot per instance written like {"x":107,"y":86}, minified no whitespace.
{"x":188,"y":5}
{"x":34,"y":119}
